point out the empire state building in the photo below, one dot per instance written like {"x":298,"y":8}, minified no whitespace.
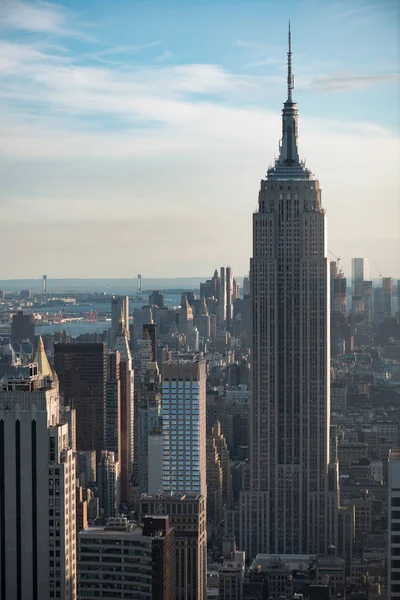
{"x":286,"y":509}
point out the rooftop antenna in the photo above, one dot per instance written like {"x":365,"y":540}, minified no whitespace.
{"x":290,"y":77}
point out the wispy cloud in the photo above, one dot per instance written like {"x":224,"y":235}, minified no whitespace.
{"x":349,"y":82}
{"x":41,"y":18}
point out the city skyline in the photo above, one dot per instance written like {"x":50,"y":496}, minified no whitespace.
{"x":114,"y":127}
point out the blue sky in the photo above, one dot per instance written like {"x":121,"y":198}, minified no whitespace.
{"x":133,"y":134}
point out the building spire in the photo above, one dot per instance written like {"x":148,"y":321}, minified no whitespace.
{"x":290,"y":77}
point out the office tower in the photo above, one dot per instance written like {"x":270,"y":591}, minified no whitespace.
{"x":119,"y":305}
{"x":367,"y":297}
{"x":246,"y":287}
{"x":222,"y":296}
{"x":187,"y":515}
{"x":184,"y":427}
{"x":37,"y":493}
{"x":157,"y":299}
{"x":68,"y":416}
{"x":2,"y":295}
{"x":223,"y":454}
{"x":394,"y":524}
{"x":82,"y":373}
{"x":211,"y":287}
{"x":86,"y":467}
{"x":214,"y":487}
{"x":229,"y":297}
{"x":231,"y":577}
{"x":113,"y":404}
{"x":203,"y":320}
{"x":150,"y":424}
{"x":378,"y":305}
{"x":141,"y":316}
{"x":25,"y":294}
{"x":186,"y":320}
{"x":62,"y":515}
{"x":139,"y":284}
{"x":22,"y":328}
{"x":127,"y":415}
{"x":338,"y":289}
{"x":44,"y":284}
{"x":387,"y":287}
{"x":150,"y":333}
{"x":81,"y":510}
{"x":194,"y":339}
{"x":108,"y":483}
{"x":145,"y":557}
{"x":359,"y":273}
{"x":285,"y":510}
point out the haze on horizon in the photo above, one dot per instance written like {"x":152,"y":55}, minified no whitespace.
{"x":134,"y":135}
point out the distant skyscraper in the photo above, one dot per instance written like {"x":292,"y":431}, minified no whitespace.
{"x":22,"y":328}
{"x":286,"y":508}
{"x":139,"y":284}
{"x":222,"y":296}
{"x":246,"y":287}
{"x":359,"y":273}
{"x":37,"y":493}
{"x":82,"y":372}
{"x":119,"y":305}
{"x":184,"y":427}
{"x":186,"y":320}
{"x":44,"y":284}
{"x":387,"y":287}
{"x":229,"y":296}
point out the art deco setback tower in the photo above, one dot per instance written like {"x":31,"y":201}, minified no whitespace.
{"x":286,"y":507}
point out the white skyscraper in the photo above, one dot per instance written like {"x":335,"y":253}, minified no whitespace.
{"x":184,"y":427}
{"x":37,"y":493}
{"x":285,"y":510}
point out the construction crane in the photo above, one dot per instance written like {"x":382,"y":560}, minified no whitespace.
{"x":340,"y":272}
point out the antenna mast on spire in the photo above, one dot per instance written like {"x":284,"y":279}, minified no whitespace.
{"x":290,"y":77}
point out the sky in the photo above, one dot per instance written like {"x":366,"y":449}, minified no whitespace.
{"x":134,"y":133}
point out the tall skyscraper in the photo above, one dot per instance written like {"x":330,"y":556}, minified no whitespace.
{"x":119,"y":305}
{"x":359,"y":273}
{"x":222,"y":296}
{"x":285,"y":510}
{"x":184,"y":427}
{"x":82,"y":372}
{"x":127,"y":417}
{"x":22,"y":328}
{"x":37,"y":493}
{"x":387,"y":286}
{"x":113,"y":405}
{"x":44,"y":284}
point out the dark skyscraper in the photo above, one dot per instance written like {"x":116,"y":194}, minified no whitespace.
{"x":82,"y":373}
{"x":286,"y":508}
{"x":22,"y":328}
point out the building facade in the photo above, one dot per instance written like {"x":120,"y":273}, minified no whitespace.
{"x":184,"y":427}
{"x":82,"y":373}
{"x":286,"y":508}
{"x":121,"y":560}
{"x":37,"y":493}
